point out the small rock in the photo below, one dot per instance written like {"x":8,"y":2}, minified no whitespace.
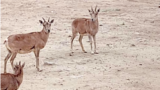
{"x":123,"y":23}
{"x":133,"y":45}
{"x":128,"y":79}
{"x":48,"y":63}
{"x":118,"y":10}
{"x":61,"y":84}
{"x":48,"y":6}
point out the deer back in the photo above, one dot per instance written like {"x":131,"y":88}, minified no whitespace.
{"x":8,"y":80}
{"x":25,"y":43}
{"x":85,"y":26}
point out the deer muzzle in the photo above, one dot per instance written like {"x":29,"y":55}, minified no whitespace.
{"x":48,"y":31}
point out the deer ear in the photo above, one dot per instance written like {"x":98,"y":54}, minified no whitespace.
{"x":23,"y":65}
{"x":41,"y":22}
{"x":98,"y":10}
{"x":52,"y":21}
{"x":89,"y":10}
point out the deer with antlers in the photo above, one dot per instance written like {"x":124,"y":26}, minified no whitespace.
{"x":85,"y":26}
{"x":26,"y":43}
{"x":12,"y":81}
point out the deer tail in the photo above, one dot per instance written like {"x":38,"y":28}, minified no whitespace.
{"x":5,"y":41}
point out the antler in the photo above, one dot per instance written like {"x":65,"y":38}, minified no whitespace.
{"x":96,"y":8}
{"x":48,"y":19}
{"x":20,"y":63}
{"x":43,"y":19}
{"x":92,"y":9}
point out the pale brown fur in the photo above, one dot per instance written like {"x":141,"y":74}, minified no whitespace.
{"x":12,"y":81}
{"x":85,"y":26}
{"x":26,"y":43}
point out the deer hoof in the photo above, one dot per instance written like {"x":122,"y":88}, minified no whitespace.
{"x":84,"y":51}
{"x":71,"y":54}
{"x":40,"y":70}
{"x":92,"y":52}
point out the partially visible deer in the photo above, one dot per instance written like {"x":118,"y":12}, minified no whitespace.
{"x":26,"y":43}
{"x":12,"y":81}
{"x":85,"y":26}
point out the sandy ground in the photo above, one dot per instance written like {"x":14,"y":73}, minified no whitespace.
{"x":128,"y":44}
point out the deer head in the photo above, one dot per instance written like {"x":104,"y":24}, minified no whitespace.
{"x":46,"y":24}
{"x":94,"y":13}
{"x":18,"y":68}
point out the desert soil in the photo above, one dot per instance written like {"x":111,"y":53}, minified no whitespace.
{"x":128,"y":43}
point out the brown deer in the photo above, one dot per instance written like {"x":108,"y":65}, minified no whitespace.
{"x":85,"y":26}
{"x":12,"y":81}
{"x":26,"y":43}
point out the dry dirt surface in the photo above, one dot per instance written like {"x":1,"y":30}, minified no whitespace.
{"x":128,"y":43}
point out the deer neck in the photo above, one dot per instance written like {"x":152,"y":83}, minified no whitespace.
{"x":44,"y":35}
{"x":19,"y":78}
{"x":94,"y":24}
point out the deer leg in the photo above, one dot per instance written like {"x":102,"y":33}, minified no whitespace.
{"x":6,"y":59}
{"x":90,"y":40}
{"x":94,"y":38}
{"x":12,"y":59}
{"x":72,"y":38}
{"x":9,"y":88}
{"x":80,"y":41}
{"x":36,"y":52}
